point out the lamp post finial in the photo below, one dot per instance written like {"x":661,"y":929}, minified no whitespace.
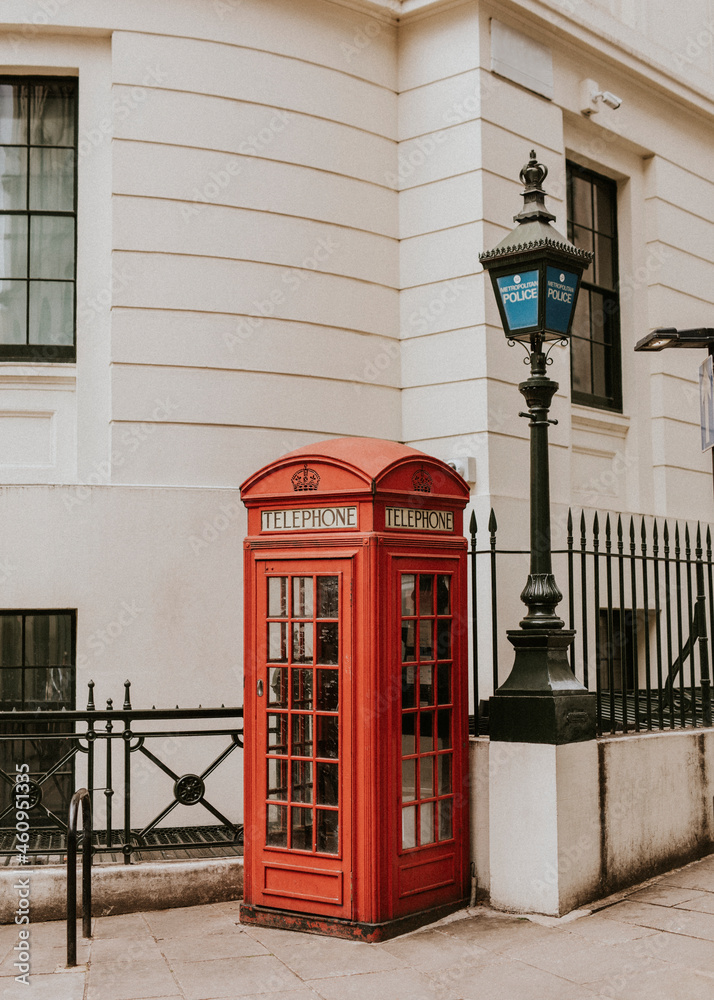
{"x":532,"y":176}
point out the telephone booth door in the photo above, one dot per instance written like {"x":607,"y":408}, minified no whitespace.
{"x":432,"y":729}
{"x":301,"y":777}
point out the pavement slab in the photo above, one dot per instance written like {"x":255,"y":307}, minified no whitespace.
{"x":689,"y":952}
{"x":658,"y":984}
{"x":211,"y":946}
{"x":234,"y":977}
{"x":512,"y":980}
{"x":608,"y":930}
{"x":56,"y":986}
{"x":129,"y":979}
{"x":496,"y":931}
{"x":434,"y":950}
{"x":653,"y":943}
{"x":189,"y":921}
{"x":402,"y":984}
{"x":312,"y":956}
{"x":122,"y":925}
{"x":666,"y":895}
{"x":703,"y":903}
{"x":695,"y":877}
{"x":661,"y":918}
{"x":583,"y":962}
{"x":46,"y":960}
{"x":302,"y":994}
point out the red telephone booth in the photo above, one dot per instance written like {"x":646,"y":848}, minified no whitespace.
{"x":356,"y":726}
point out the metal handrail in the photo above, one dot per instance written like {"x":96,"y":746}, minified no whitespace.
{"x":82,"y":795}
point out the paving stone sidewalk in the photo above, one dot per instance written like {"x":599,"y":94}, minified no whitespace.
{"x":653,"y":943}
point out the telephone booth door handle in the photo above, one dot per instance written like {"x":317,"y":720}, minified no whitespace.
{"x":260,"y":689}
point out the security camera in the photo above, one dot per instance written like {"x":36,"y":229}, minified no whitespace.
{"x":607,"y":97}
{"x":591,"y":95}
{"x":466,"y":468}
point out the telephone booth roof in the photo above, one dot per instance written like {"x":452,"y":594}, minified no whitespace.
{"x":355,"y":465}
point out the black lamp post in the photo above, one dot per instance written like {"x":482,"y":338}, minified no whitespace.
{"x":665,"y":337}
{"x":536,"y":275}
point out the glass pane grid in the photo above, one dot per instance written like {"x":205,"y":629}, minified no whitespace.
{"x":38,"y":195}
{"x":303,"y":632}
{"x":37,"y":671}
{"x":427,"y":711}
{"x":595,"y":354}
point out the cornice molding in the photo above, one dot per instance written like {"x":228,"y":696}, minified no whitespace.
{"x":601,"y":34}
{"x":612,"y":40}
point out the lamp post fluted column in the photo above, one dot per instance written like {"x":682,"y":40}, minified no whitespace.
{"x":540,"y":594}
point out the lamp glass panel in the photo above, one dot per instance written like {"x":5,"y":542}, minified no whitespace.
{"x":519,"y":297}
{"x":561,"y":291}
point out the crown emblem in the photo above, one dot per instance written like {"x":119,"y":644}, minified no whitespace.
{"x":305,"y":479}
{"x":422,"y":481}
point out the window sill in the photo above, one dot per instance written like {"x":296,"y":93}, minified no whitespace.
{"x":42,"y":375}
{"x":586,"y":418}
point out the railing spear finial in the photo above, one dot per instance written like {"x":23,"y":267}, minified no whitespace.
{"x":472,"y":523}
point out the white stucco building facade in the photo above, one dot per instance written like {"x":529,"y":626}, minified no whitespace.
{"x":280,"y":207}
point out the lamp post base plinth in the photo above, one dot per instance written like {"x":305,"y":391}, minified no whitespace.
{"x":542,"y":701}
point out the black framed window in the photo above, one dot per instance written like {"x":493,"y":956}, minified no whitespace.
{"x":37,"y":672}
{"x":618,"y":648}
{"x":37,"y":659}
{"x":38,"y":218}
{"x":595,"y":363}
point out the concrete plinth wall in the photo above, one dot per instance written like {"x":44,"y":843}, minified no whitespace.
{"x":557,"y":827}
{"x":123,"y":888}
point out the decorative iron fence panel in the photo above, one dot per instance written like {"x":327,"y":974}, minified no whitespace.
{"x":100,"y":739}
{"x":640,"y":596}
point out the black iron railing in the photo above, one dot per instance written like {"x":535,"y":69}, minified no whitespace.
{"x":102,"y":739}
{"x":641,"y":599}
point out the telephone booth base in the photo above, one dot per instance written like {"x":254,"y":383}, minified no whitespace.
{"x":352,"y":930}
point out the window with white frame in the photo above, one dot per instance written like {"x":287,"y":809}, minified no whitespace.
{"x":38,"y":217}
